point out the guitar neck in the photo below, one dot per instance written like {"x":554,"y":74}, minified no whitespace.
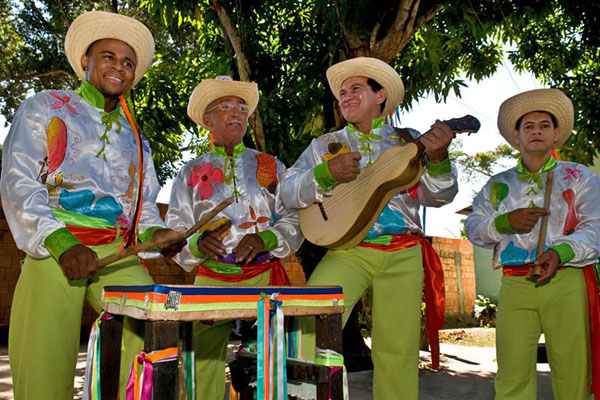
{"x":468,"y":124}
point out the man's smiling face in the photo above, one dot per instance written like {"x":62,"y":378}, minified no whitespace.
{"x":110,"y":66}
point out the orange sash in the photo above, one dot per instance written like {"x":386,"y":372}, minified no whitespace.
{"x":94,"y":236}
{"x":435,"y":295}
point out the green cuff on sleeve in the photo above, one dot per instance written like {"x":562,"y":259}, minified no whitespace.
{"x":324,"y":177}
{"x":565,"y":252}
{"x":269,"y":238}
{"x":148,"y":233}
{"x":194,"y":245}
{"x":60,"y":241}
{"x":441,"y":168}
{"x":502,"y":225}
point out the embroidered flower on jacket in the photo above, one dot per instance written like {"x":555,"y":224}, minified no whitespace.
{"x":62,"y":102}
{"x":335,"y":149}
{"x":572,"y":173}
{"x":205,"y":176}
{"x":254,"y":221}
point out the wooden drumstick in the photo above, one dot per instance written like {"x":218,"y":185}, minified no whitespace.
{"x":544,"y":225}
{"x":173,"y":237}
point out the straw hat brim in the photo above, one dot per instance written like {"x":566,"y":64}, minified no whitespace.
{"x":372,"y":68}
{"x":552,"y":101}
{"x":210,"y":90}
{"x":95,"y":25}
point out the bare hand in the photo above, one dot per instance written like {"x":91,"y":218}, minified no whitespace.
{"x":78,"y":262}
{"x":248,"y":248}
{"x":522,"y":220}
{"x":549,"y":261}
{"x":344,"y":168}
{"x":436,"y":142}
{"x":211,"y":242}
{"x":168,"y":249}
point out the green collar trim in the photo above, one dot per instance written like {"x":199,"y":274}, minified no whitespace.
{"x":93,"y":96}
{"x":551,"y":163}
{"x":376,"y":123}
{"x":238,"y":149}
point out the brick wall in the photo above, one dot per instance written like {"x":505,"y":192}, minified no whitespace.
{"x":459,"y":274}
{"x":456,"y":256}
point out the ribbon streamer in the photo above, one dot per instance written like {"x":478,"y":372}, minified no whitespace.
{"x":140,"y":387}
{"x":335,"y":361}
{"x":91,"y":385}
{"x":271,"y":357}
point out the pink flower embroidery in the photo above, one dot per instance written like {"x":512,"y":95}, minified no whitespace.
{"x":572,"y":173}
{"x":204,"y":175}
{"x":62,"y":101}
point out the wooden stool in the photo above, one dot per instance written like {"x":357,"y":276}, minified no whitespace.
{"x":165,"y":307}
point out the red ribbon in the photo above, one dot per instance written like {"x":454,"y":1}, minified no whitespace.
{"x":519,"y":270}
{"x":93,"y":236}
{"x":278,"y":275}
{"x":591,"y":283}
{"x":435,"y":295}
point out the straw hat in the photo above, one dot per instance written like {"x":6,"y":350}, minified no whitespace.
{"x":553,"y":101}
{"x":372,"y":68}
{"x":96,"y":25}
{"x":210,"y":90}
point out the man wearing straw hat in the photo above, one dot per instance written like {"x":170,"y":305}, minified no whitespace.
{"x":241,"y":247}
{"x":392,"y":257}
{"x":78,"y":182}
{"x":505,"y":217}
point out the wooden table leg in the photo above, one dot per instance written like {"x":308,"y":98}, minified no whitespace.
{"x":110,"y":356}
{"x":329,"y":336}
{"x":160,"y":335}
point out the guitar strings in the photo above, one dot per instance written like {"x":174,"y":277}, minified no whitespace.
{"x":369,"y":175}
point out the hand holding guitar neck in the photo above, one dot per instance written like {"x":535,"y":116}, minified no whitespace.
{"x":173,"y":236}
{"x":436,"y":141}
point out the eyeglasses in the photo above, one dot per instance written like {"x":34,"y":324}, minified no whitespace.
{"x":243,"y":108}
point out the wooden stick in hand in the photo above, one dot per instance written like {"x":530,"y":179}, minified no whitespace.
{"x":172,"y":238}
{"x":544,"y":225}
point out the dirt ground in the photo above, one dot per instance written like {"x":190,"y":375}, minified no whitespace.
{"x":468,"y":368}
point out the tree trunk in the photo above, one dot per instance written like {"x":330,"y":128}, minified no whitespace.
{"x":243,"y":68}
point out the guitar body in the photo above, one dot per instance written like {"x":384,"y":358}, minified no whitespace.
{"x":343,"y":219}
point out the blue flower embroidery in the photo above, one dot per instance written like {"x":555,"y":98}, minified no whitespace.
{"x":390,"y":222}
{"x":80,"y":202}
{"x":513,"y":255}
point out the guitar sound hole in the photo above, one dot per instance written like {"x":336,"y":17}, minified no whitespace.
{"x":323,"y":213}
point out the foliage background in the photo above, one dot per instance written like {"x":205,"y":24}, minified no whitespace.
{"x":286,"y":46}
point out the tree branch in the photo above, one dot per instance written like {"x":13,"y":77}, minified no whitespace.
{"x":428,"y":16}
{"x":243,"y":67}
{"x":39,"y":75}
{"x":399,"y":34}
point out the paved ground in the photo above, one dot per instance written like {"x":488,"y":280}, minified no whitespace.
{"x":467,"y":373}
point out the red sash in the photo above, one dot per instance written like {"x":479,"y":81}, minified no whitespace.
{"x":591,"y":283}
{"x":435,"y":295}
{"x":94,"y":236}
{"x":278,"y":275}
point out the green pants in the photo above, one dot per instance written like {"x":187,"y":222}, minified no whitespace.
{"x":46,"y":319}
{"x":210,"y":344}
{"x":559,"y":309}
{"x":397,"y":281}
